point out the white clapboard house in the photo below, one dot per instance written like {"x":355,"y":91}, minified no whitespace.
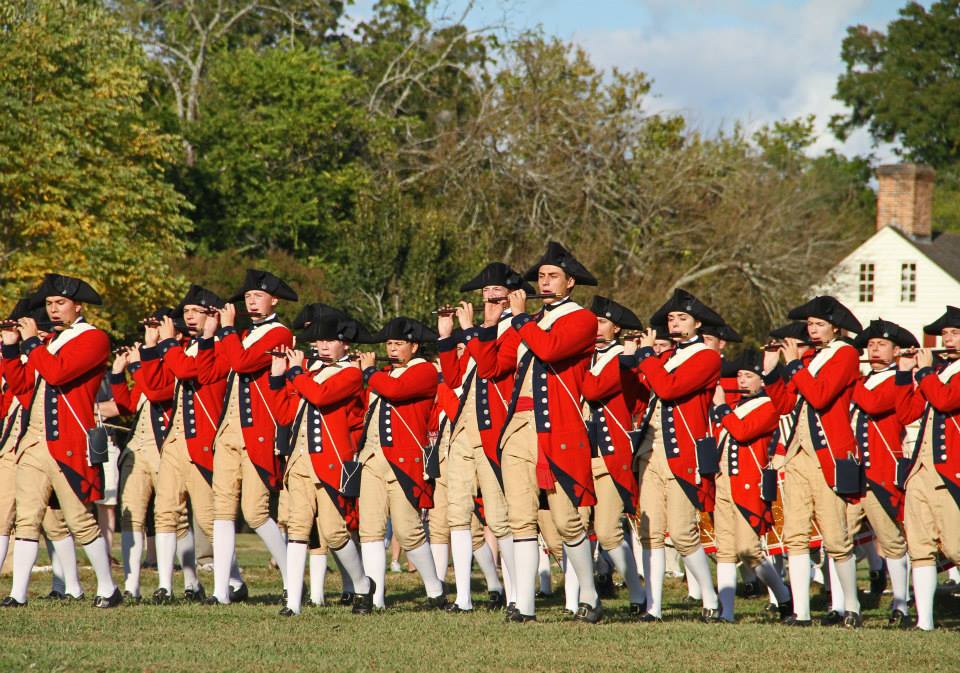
{"x":907,"y":271}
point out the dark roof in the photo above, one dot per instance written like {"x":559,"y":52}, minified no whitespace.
{"x":943,"y":249}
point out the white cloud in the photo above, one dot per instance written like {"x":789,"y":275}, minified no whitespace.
{"x":750,"y":63}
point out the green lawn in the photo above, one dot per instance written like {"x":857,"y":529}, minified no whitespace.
{"x":251,"y":637}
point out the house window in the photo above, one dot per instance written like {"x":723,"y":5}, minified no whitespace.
{"x":908,"y":282}
{"x":866,"y":283}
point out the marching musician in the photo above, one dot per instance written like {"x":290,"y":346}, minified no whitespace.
{"x":676,"y":479}
{"x":749,"y":437}
{"x":58,"y":456}
{"x":246,"y":467}
{"x":320,"y":401}
{"x":932,"y":506}
{"x":822,"y":471}
{"x":396,"y":479}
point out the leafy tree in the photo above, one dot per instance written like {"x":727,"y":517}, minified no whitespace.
{"x":904,"y":85}
{"x":82,"y":188}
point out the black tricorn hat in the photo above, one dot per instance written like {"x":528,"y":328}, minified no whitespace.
{"x":949,"y":319}
{"x":55,"y":285}
{"x":792,"y":330}
{"x":265,"y":282}
{"x":332,"y":327}
{"x":497,"y":273}
{"x":21,"y":309}
{"x":661,"y":331}
{"x":723,"y":331}
{"x":827,"y":308}
{"x":405,"y":329}
{"x":313,"y":312}
{"x":557,"y":255}
{"x":199,"y":296}
{"x":616,"y":313}
{"x":750,"y":360}
{"x":884,"y":329}
{"x":684,"y":302}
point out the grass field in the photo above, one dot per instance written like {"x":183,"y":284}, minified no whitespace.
{"x":49,"y":636}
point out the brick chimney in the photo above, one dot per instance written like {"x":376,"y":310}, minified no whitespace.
{"x":905,"y":198}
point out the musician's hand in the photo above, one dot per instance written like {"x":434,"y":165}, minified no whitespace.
{"x":28,"y":328}
{"x":630,"y":346}
{"x":151,"y":335}
{"x":120,"y":361}
{"x":211,"y":325}
{"x":647,"y":338}
{"x":518,"y":302}
{"x":492,"y":312}
{"x":791,"y":349}
{"x":924,"y":358}
{"x":444,"y":324}
{"x":10,"y":336}
{"x":295,"y":357}
{"x":465,"y":315}
{"x":770,"y":360}
{"x":165,"y":330}
{"x":367,"y":360}
{"x":133,"y":353}
{"x":719,"y":397}
{"x":278,"y":364}
{"x":907,"y":363}
{"x":228,"y":315}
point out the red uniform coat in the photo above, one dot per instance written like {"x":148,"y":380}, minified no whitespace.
{"x":327,"y":407}
{"x":750,"y":436}
{"x":614,"y":396}
{"x":492,"y":385}
{"x":73,"y":376}
{"x":558,"y":358}
{"x":879,"y":427}
{"x":828,"y":394}
{"x":942,"y":419}
{"x":201,"y":402}
{"x":159,"y":401}
{"x":685,"y":394}
{"x":249,"y":369}
{"x":403,"y":405}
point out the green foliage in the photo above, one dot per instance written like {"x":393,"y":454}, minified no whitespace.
{"x":281,"y":152}
{"x":904,"y":85}
{"x":82,"y":172}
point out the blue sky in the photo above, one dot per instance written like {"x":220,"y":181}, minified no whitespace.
{"x":717,"y":62}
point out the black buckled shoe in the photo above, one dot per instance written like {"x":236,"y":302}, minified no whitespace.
{"x":589,"y":614}
{"x":852,"y":620}
{"x":638,"y":609}
{"x":11,"y":602}
{"x":898,"y":620}
{"x":455,"y":609}
{"x":55,"y":595}
{"x":286,"y":612}
{"x":510,"y":609}
{"x":832,"y":618}
{"x":347,"y":598}
{"x":240,"y":594}
{"x":363,"y":603}
{"x":648,"y":618}
{"x":518,"y":617}
{"x":435,"y":602}
{"x":162,"y":597}
{"x":212,"y":600}
{"x":130,"y":599}
{"x":750,"y":589}
{"x":498,"y":601}
{"x":785,"y":610}
{"x":772,"y":609}
{"x":793,"y":621}
{"x":195,"y":595}
{"x":710,"y":616}
{"x":878,"y":581}
{"x":111,"y":601}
